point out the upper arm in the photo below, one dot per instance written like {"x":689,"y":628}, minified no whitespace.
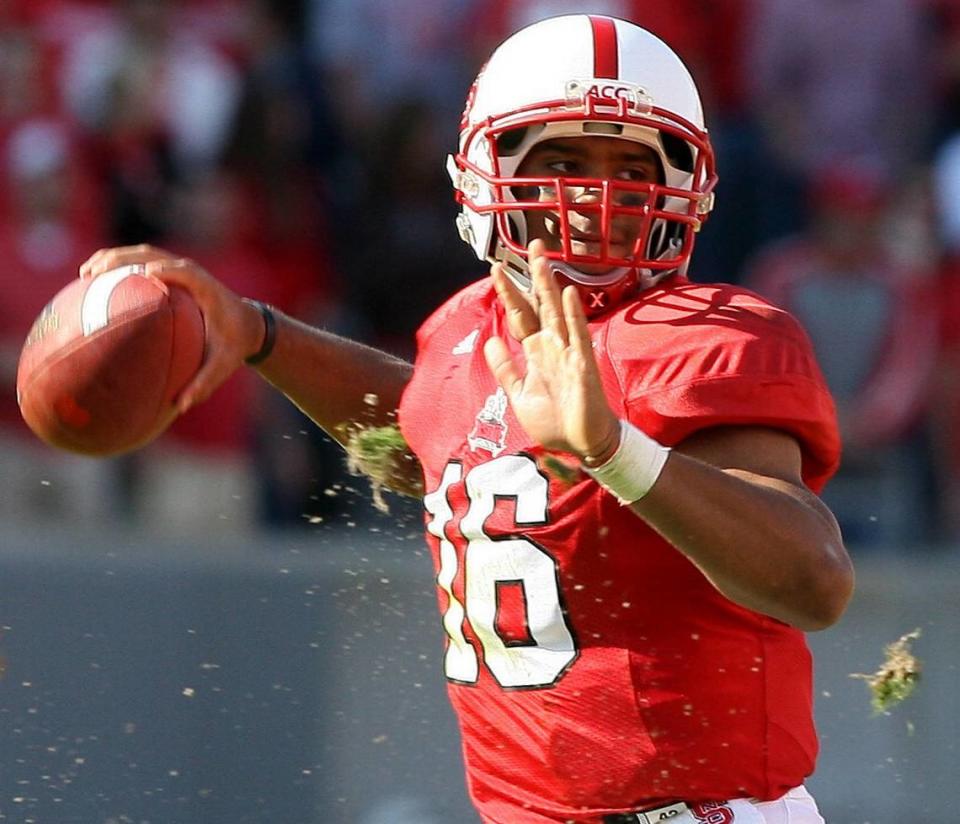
{"x":761,"y":455}
{"x":756,"y":449}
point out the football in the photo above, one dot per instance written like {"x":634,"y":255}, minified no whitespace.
{"x":105,"y":360}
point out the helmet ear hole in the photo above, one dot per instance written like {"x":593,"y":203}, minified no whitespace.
{"x":677,"y":151}
{"x":509,"y":141}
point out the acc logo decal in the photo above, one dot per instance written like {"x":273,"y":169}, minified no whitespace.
{"x":609,"y":92}
{"x":600,"y":92}
{"x":490,"y":429}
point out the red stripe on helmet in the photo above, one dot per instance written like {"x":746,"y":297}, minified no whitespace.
{"x":606,"y":62}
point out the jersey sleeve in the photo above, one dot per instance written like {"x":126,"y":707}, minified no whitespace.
{"x":756,"y":368}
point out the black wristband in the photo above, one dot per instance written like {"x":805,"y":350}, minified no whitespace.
{"x":269,"y":333}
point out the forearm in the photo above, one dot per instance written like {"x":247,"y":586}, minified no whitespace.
{"x":346,"y":388}
{"x":765,"y":544}
{"x":335,"y":381}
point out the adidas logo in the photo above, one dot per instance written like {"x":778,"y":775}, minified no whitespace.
{"x":468,"y":344}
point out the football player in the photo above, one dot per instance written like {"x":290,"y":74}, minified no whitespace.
{"x":619,"y":465}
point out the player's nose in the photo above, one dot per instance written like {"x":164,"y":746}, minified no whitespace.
{"x":584,"y":194}
{"x":588,"y":219}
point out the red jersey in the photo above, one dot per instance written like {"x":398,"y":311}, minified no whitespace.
{"x":593,"y":669}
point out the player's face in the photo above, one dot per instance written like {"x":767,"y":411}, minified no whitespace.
{"x":594,"y":156}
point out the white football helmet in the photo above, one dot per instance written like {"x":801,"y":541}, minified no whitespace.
{"x":580,"y":75}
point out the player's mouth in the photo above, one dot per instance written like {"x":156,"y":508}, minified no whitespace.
{"x":585,"y":245}
{"x":591,"y":245}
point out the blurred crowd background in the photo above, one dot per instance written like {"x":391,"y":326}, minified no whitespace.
{"x":296,"y":148}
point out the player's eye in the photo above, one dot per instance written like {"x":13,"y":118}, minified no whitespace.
{"x":640,"y":174}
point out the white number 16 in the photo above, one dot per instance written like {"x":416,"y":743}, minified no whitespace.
{"x":490,"y":562}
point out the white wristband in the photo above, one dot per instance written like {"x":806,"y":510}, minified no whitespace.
{"x":635,"y":466}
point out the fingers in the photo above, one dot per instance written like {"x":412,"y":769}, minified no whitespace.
{"x":156,"y":263}
{"x":542,"y":308}
{"x":177,"y":271}
{"x":547,"y":291}
{"x":576,"y":320}
{"x":502,"y":366}
{"x":104,"y":260}
{"x":580,"y":340}
{"x":521,"y":316}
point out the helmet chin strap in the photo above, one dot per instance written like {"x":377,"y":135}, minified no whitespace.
{"x":584,"y":279}
{"x":596,"y":296}
{"x":598,"y":293}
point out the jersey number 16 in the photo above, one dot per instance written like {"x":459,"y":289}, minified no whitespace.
{"x":487,"y":564}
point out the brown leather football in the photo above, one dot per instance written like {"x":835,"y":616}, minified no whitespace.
{"x":105,"y":360}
